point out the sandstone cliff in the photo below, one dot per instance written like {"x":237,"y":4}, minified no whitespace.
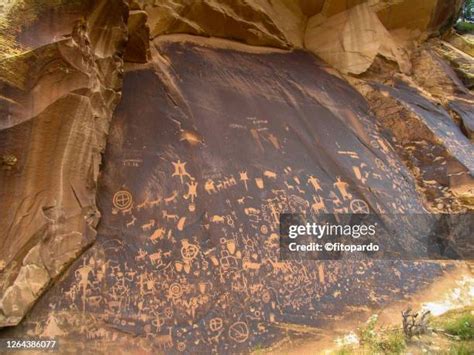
{"x":229,"y":113}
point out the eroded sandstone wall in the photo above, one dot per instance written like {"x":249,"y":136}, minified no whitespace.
{"x":56,"y":103}
{"x":61,"y":79}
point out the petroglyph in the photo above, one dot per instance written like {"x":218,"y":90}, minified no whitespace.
{"x":194,"y":264}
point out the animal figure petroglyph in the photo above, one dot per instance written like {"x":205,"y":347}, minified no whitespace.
{"x":132,"y":222}
{"x":217,"y":219}
{"x":270,"y":174}
{"x":144,"y":204}
{"x":141,"y":254}
{"x":318,"y":204}
{"x":251,"y":211}
{"x":157,"y":234}
{"x":155,"y":258}
{"x":170,"y":217}
{"x":155,"y":202}
{"x":164,"y":340}
{"x":148,"y":226}
{"x":171,"y":198}
{"x":288,"y":186}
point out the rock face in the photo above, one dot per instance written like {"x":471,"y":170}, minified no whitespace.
{"x":193,"y":241}
{"x":56,"y":104}
{"x":352,"y":39}
{"x":346,"y":34}
{"x":211,"y":140}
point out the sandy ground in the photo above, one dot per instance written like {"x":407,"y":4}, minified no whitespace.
{"x":453,"y":290}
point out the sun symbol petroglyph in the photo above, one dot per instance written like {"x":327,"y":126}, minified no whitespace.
{"x":359,"y":206}
{"x":188,"y":250}
{"x":215,"y":324}
{"x":239,"y":332}
{"x":122,"y":200}
{"x":181,"y":346}
{"x":176,"y":290}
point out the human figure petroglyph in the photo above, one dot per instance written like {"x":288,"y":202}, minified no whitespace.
{"x":192,"y":191}
{"x":228,"y":182}
{"x":342,"y":187}
{"x":82,"y":274}
{"x":315,"y":183}
{"x":210,"y":187}
{"x":318,"y":205}
{"x":180,"y":170}
{"x":244,"y":178}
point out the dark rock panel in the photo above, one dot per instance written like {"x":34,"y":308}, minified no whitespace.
{"x":430,"y":140}
{"x":207,"y":147}
{"x":466,"y":115}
